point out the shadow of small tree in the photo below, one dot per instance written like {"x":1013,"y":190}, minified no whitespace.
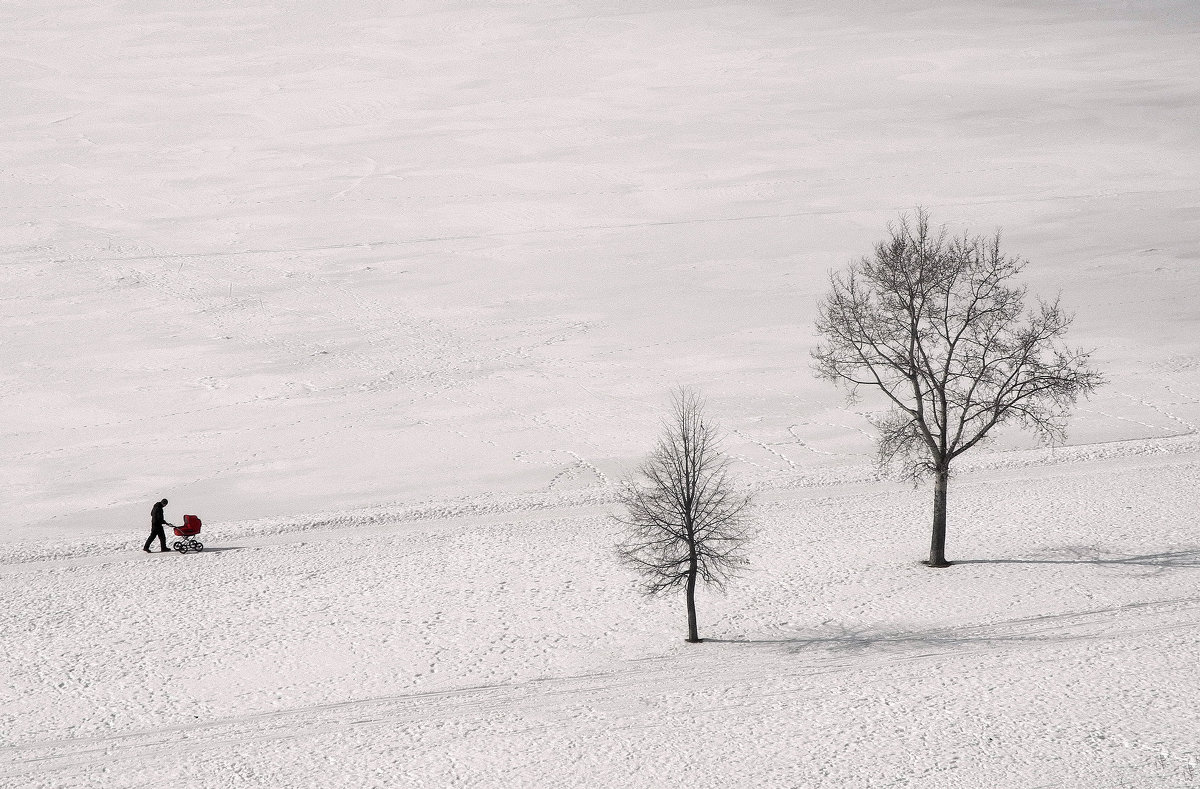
{"x":1050,"y":628}
{"x":868,"y":639}
{"x":1046,"y":628}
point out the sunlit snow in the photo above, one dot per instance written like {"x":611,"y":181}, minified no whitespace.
{"x":392,"y":294}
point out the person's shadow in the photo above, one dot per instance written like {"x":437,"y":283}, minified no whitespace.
{"x":219,"y":549}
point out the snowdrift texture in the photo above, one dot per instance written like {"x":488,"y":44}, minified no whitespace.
{"x":391,"y":294}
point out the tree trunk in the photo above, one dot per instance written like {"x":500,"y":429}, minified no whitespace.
{"x":693,"y":628}
{"x":937,"y":545}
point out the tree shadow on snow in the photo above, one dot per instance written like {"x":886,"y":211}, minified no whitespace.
{"x":923,"y":642}
{"x":1054,"y":628}
{"x":1057,"y":627}
{"x":1167,"y":560}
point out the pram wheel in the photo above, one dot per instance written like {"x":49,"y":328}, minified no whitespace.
{"x":178,"y":545}
{"x":197,"y":546}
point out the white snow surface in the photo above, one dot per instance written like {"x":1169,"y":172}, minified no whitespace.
{"x":392,"y":294}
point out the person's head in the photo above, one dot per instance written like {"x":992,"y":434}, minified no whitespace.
{"x":163,"y":502}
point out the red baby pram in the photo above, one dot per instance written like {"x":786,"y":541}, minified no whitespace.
{"x":188,"y":531}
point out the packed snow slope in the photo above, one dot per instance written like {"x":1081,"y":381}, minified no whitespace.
{"x":285,"y":257}
{"x":509,"y":649}
{"x":391,"y":294}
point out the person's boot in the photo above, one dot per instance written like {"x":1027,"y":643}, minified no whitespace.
{"x":147,"y":550}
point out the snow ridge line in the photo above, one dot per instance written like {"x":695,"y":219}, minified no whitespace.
{"x":595,"y":495}
{"x":540,"y":701}
{"x":481,"y":506}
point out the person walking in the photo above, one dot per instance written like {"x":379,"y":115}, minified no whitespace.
{"x":157,"y":521}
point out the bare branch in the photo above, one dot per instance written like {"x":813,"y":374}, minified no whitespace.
{"x":683,"y":520}
{"x":941,"y":328}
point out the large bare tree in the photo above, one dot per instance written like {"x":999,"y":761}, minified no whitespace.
{"x":684,"y":521}
{"x":941,"y":328}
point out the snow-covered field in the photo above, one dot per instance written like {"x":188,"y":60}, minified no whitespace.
{"x":390,"y":294}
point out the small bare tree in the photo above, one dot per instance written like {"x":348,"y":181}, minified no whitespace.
{"x":683,"y":519}
{"x":939,"y":327}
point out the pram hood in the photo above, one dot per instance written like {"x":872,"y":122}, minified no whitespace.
{"x":191,"y":525}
